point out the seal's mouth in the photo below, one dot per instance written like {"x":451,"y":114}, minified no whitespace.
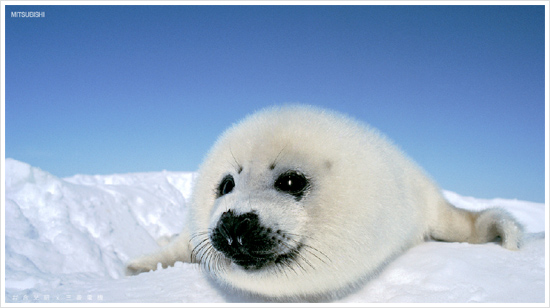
{"x":247,"y":243}
{"x":255,"y":262}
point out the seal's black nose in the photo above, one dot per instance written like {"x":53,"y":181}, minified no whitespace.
{"x":243,"y":239}
{"x":233,"y":227}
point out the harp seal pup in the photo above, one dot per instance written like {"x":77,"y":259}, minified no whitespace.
{"x":298,"y":202}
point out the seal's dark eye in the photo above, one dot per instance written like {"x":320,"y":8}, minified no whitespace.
{"x":226,"y":185}
{"x":292,"y":182}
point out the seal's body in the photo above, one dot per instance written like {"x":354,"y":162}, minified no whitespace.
{"x":299,"y":202}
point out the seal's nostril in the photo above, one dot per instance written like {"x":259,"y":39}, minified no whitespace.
{"x":224,"y":232}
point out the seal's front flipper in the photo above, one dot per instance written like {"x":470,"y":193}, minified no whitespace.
{"x":177,"y":250}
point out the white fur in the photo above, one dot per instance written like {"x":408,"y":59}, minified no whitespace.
{"x":367,"y":203}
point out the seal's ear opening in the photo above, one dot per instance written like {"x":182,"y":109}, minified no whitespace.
{"x":292,"y":182}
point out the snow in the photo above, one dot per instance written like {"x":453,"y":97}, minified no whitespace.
{"x":66,"y":241}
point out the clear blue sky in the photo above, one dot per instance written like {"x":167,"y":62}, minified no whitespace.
{"x":118,"y":89}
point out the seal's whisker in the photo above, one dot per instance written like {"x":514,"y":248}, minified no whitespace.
{"x":197,"y":250}
{"x":309,"y":248}
{"x":296,"y":252}
{"x":239,"y":167}
{"x":275,"y":161}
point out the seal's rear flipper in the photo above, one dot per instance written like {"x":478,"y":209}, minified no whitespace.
{"x":457,"y":225}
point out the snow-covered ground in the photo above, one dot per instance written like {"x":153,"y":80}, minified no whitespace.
{"x":66,"y":241}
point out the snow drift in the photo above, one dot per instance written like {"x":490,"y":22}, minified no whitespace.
{"x":66,"y":241}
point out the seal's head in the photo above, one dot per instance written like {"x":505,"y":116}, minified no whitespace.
{"x":279,"y":204}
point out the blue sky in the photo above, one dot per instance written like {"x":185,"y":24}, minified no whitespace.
{"x":118,"y":89}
